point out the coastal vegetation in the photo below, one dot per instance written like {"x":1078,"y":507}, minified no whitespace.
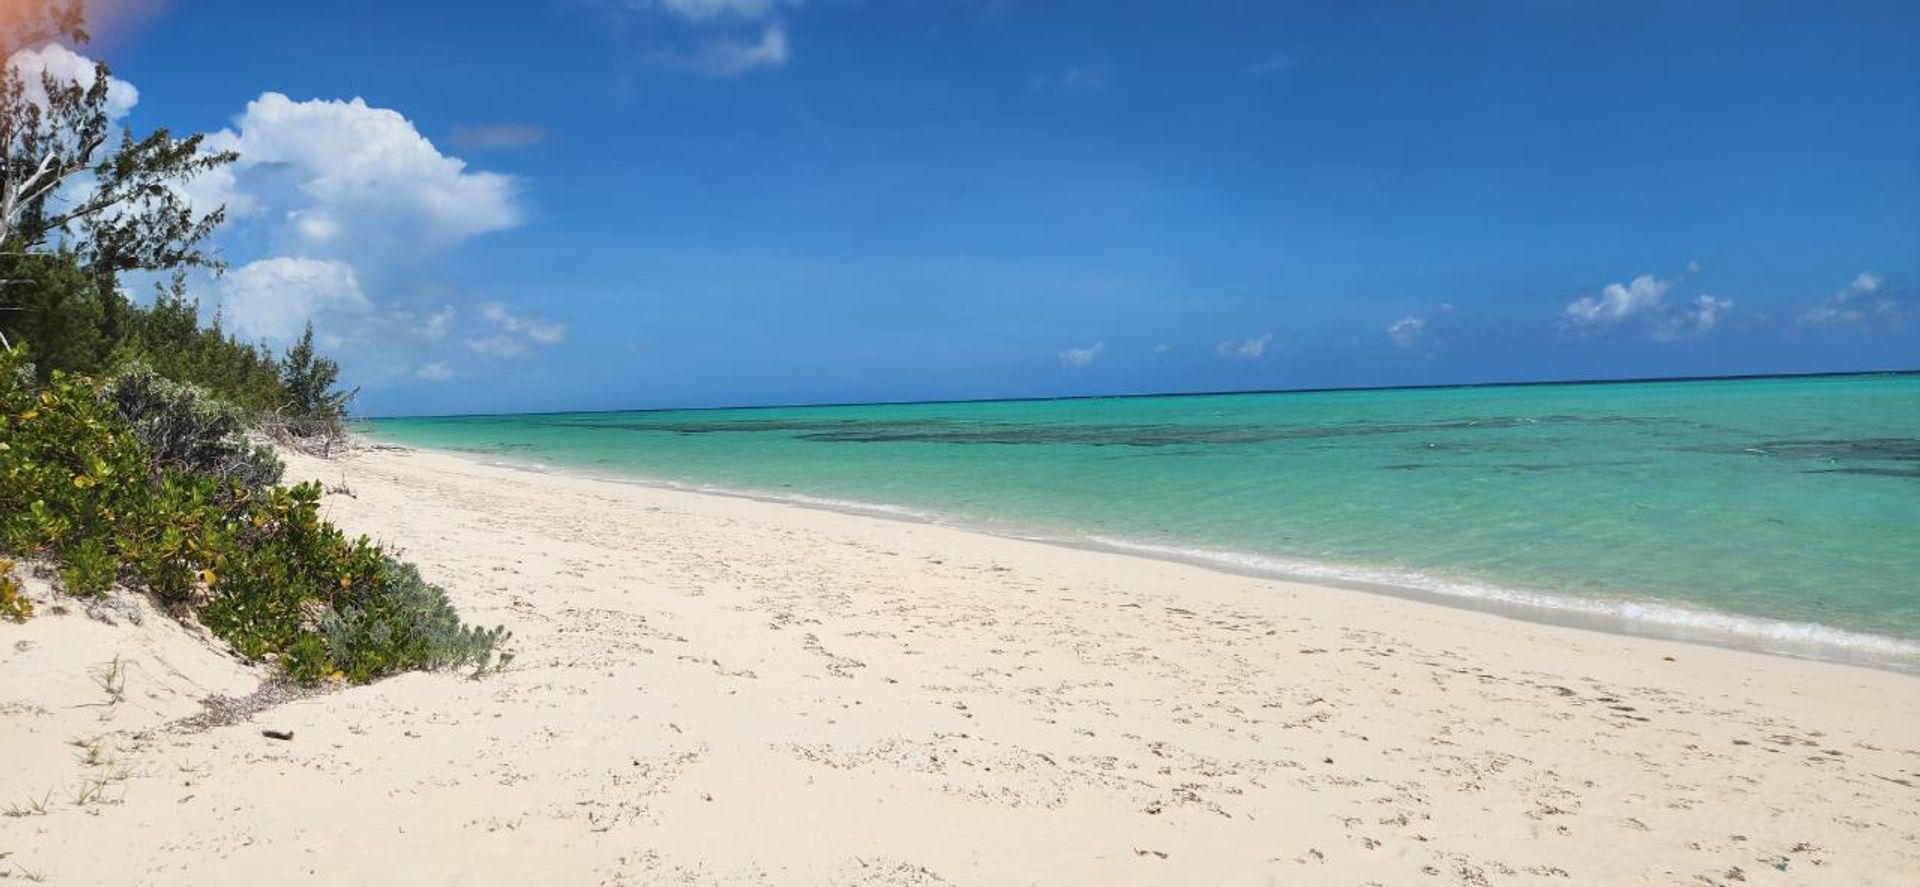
{"x":130,"y":435}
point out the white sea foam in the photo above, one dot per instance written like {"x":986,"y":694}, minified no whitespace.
{"x":1640,"y":617}
{"x":823,"y":502}
{"x":1650,"y":618}
{"x":847,"y":505}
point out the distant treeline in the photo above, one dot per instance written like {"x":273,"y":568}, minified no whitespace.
{"x":73,"y":321}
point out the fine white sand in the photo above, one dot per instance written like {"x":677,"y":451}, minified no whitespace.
{"x":719,"y":690}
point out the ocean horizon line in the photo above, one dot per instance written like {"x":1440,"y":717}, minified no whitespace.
{"x":1139,"y":395}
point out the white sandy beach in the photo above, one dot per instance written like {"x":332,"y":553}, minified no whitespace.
{"x":713,"y":690}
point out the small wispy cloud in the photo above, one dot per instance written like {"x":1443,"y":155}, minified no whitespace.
{"x":511,"y":335}
{"x":438,"y":371}
{"x":496,"y":136}
{"x":1074,"y":358}
{"x":720,"y":38}
{"x":1864,"y":302}
{"x":1271,"y":64}
{"x":438,"y":325}
{"x":714,"y":10}
{"x":734,"y":56}
{"x":1695,"y":318}
{"x":1075,"y":78}
{"x":1162,"y":348}
{"x":1245,"y":349}
{"x":1407,"y":331}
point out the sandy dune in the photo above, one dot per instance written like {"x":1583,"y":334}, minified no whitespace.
{"x":716,"y":690}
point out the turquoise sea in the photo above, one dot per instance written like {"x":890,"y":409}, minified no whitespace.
{"x":1780,"y":513}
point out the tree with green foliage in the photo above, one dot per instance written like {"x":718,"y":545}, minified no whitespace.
{"x":309,"y":381}
{"x":54,"y":303}
{"x":168,"y":336}
{"x":75,"y":213}
{"x":63,"y":188}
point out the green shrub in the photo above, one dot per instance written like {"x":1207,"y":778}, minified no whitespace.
{"x":287,"y":568}
{"x":202,"y":530}
{"x":185,"y":428}
{"x":87,"y":568}
{"x":407,"y":623}
{"x":67,"y":464}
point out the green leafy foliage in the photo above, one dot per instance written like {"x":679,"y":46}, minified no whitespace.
{"x":52,"y":302}
{"x":288,"y":568}
{"x":186,"y":428}
{"x":50,"y":299}
{"x":68,"y":466}
{"x":131,"y":215}
{"x":310,"y":381}
{"x":168,"y":336}
{"x":151,"y":482}
{"x":407,"y":622}
{"x":255,"y":562}
{"x":87,"y":568}
{"x":14,"y":606}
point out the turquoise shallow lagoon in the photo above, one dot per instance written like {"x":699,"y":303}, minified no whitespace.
{"x":1782,"y":512}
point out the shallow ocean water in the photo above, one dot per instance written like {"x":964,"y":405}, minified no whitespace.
{"x":1781,"y":510}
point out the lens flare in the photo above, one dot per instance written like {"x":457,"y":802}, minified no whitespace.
{"x":108,"y":22}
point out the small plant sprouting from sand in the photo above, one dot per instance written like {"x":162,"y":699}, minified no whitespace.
{"x":93,"y":791}
{"x":92,"y":752}
{"x":112,"y":679}
{"x":32,"y":807}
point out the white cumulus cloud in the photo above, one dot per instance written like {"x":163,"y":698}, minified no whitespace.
{"x":1642,"y":305}
{"x":1245,"y":349}
{"x":67,"y":66}
{"x":1079,"y":357}
{"x":1618,"y":302}
{"x":343,"y":177}
{"x":274,"y":298}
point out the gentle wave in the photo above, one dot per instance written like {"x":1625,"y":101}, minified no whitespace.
{"x":871,"y":509}
{"x":1682,"y":622}
{"x":1662,"y":619}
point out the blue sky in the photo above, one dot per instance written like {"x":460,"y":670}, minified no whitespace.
{"x":599,"y":204}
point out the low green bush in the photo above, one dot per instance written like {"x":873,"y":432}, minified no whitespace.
{"x":185,"y":428}
{"x":405,"y":623}
{"x":145,"y":483}
{"x":87,"y":568}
